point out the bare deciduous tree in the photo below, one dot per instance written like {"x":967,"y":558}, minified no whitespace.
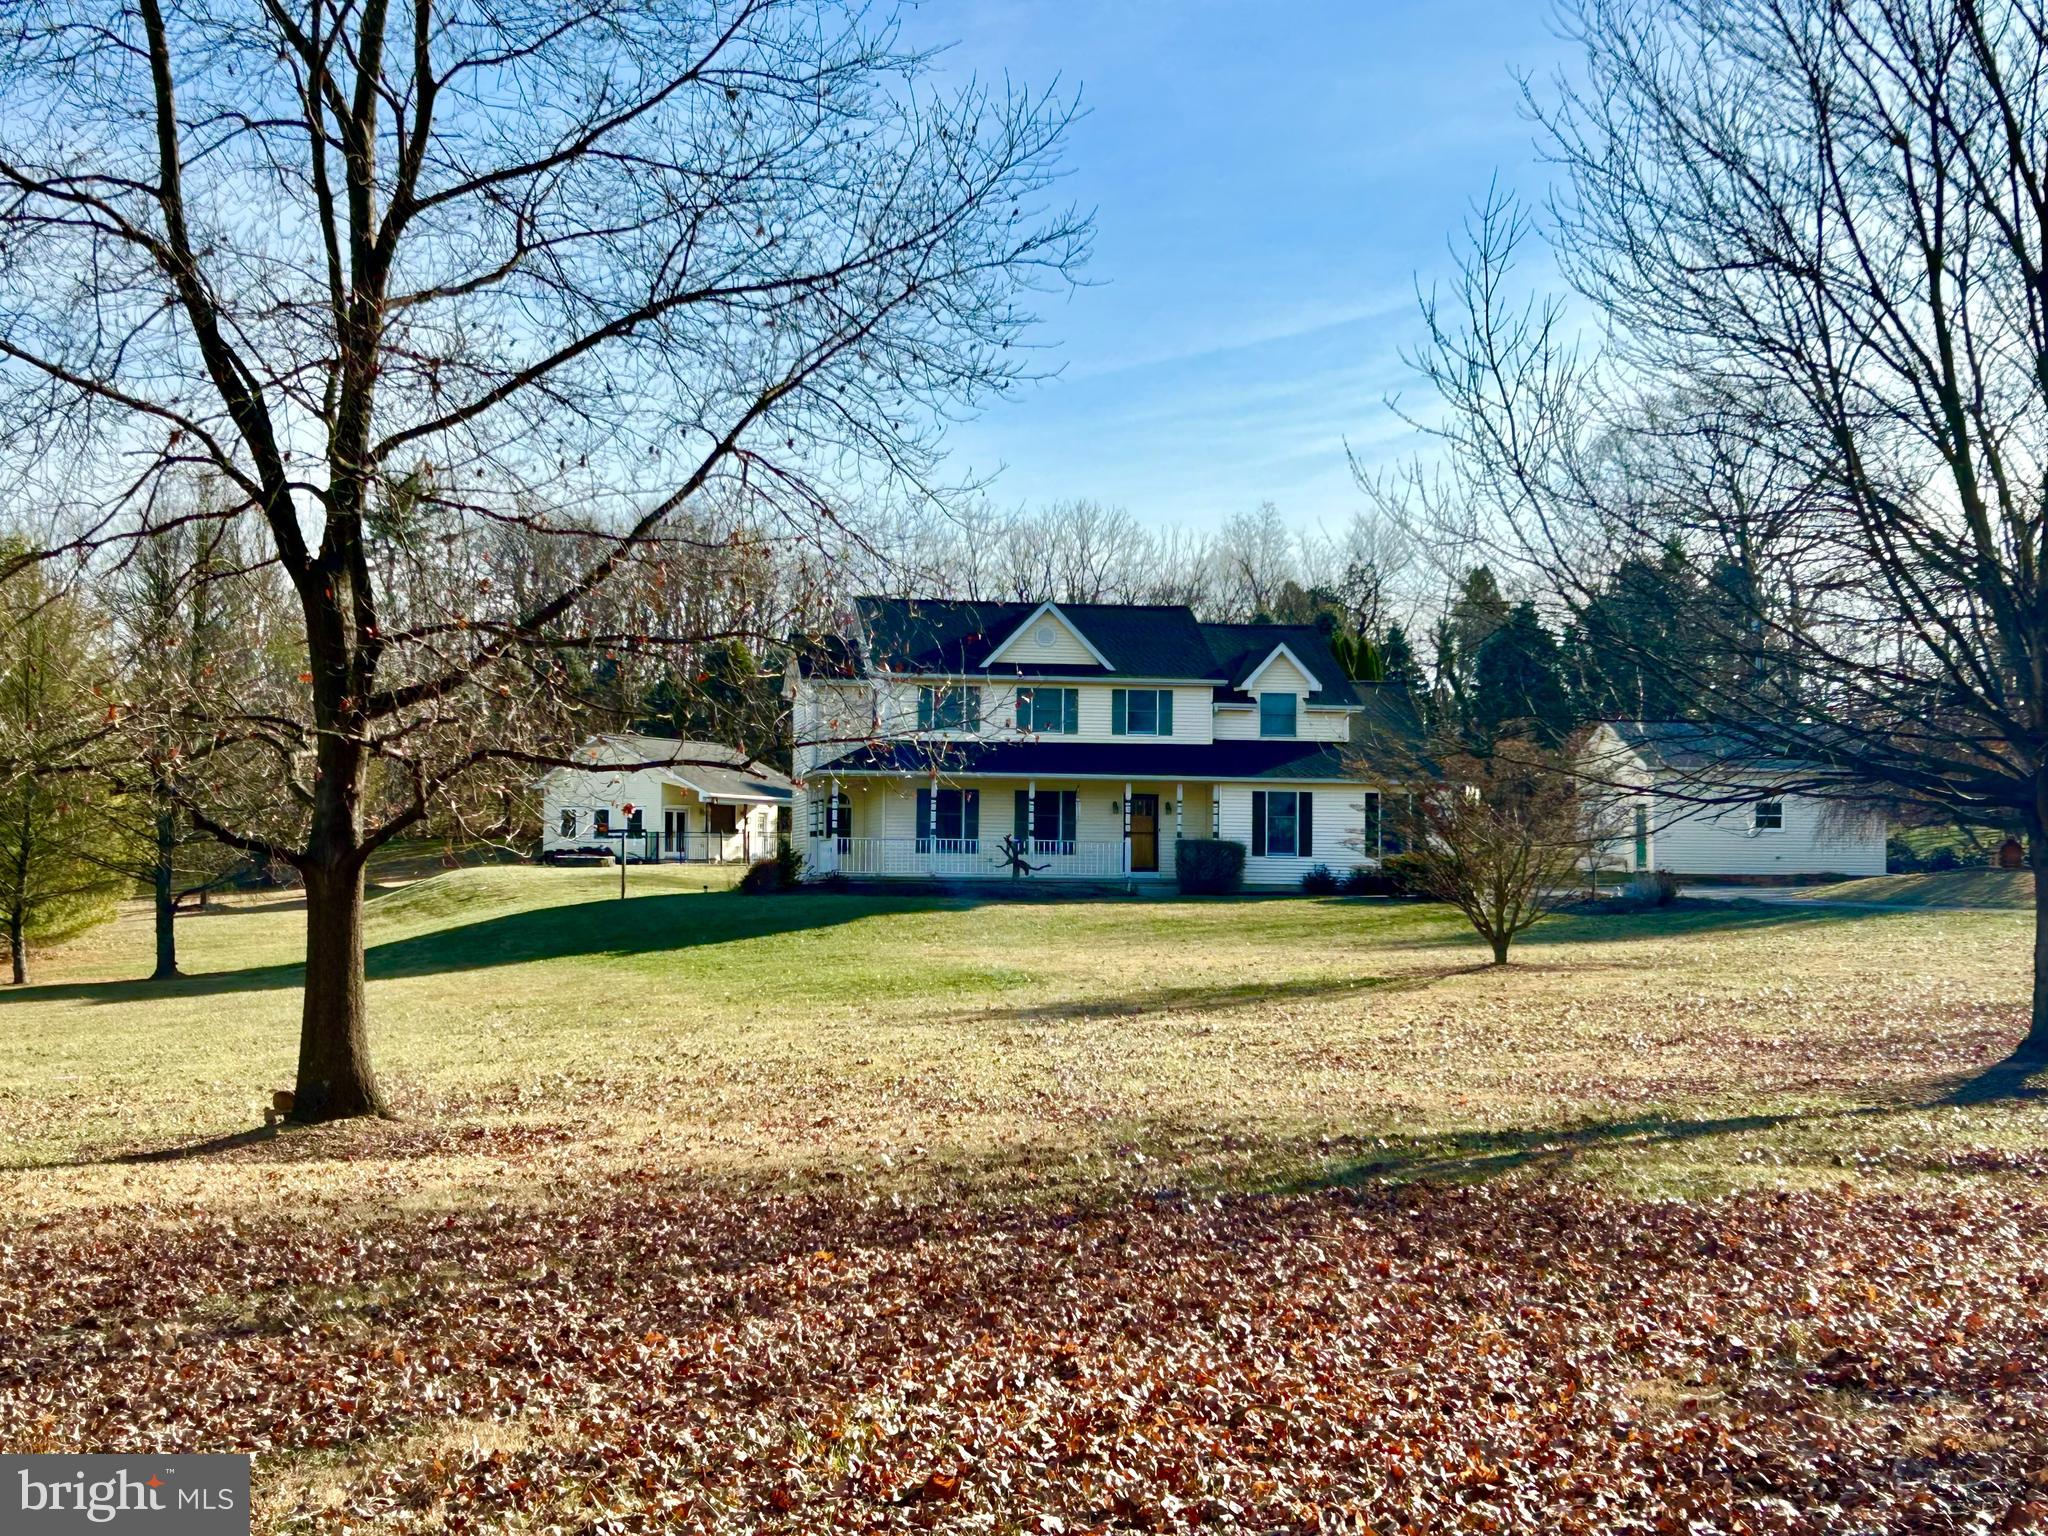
{"x":404,"y":272}
{"x":1816,"y":237}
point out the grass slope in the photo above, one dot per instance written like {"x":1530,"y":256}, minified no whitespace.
{"x":1992,"y":889}
{"x":792,"y":1213}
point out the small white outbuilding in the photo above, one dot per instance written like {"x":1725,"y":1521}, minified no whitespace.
{"x":661,"y":800}
{"x":1693,"y":801}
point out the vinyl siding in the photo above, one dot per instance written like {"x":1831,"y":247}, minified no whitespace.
{"x":1310,"y":724}
{"x":1818,"y":838}
{"x":1023,"y":649}
{"x":1339,"y":831}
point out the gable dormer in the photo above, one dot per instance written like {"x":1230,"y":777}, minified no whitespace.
{"x":1047,"y":637}
{"x":1280,"y":672}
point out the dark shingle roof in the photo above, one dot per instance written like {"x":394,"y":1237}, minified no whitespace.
{"x":1162,"y":640}
{"x":1687,"y":744}
{"x":1239,"y":648}
{"x":1226,"y":760}
{"x":944,"y":636}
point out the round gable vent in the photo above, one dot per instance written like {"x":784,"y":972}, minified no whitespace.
{"x":1045,"y":637}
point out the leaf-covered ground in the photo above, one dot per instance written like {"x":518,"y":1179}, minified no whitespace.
{"x":716,"y":1214}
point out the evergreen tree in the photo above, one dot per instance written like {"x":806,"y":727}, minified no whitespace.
{"x":1398,"y":665}
{"x":1628,"y":648}
{"x":1518,"y":682}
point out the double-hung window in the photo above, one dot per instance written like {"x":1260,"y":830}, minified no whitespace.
{"x":568,"y":823}
{"x":952,"y":817}
{"x":1053,"y":817}
{"x":1768,"y":816}
{"x":1283,"y":824}
{"x":1141,"y":712}
{"x":1277,"y":714}
{"x":1049,"y":711}
{"x":601,"y":822}
{"x":1373,"y":826}
{"x":948,"y":707}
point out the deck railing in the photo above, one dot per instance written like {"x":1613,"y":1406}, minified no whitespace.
{"x":964,"y":858}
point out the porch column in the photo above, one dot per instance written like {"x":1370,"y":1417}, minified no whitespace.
{"x":1180,"y":793}
{"x":831,"y":828}
{"x":1127,"y":827}
{"x":1030,"y":813}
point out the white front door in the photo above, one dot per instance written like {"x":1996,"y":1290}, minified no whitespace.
{"x":675,"y":826}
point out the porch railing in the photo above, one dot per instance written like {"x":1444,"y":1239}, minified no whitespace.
{"x":675,"y":847}
{"x":965,"y":858}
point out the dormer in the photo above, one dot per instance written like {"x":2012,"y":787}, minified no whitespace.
{"x":1277,"y":685}
{"x":1047,"y":638}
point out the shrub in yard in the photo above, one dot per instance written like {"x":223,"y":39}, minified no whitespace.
{"x":1899,"y":857}
{"x":1321,"y":880}
{"x":1943,"y":859}
{"x":1208,"y":866}
{"x":763,"y":878}
{"x":1653,"y":888}
{"x":1403,"y":873}
{"x":1365,"y":882}
{"x":789,"y":865}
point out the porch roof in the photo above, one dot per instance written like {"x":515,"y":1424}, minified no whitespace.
{"x":1225,"y":761}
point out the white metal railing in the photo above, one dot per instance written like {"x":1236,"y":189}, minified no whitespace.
{"x":964,"y":858}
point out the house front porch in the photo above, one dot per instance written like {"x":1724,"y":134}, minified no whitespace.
{"x":1003,"y":829}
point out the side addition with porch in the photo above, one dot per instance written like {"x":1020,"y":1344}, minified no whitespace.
{"x":658,"y":800}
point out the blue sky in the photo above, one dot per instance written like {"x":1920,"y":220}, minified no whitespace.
{"x":1269,"y":181}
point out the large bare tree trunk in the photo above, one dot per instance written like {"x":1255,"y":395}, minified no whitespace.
{"x":2035,"y":1046}
{"x":166,"y":894}
{"x":335,"y":1077}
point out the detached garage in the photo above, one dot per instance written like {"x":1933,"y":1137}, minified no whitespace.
{"x":1689,"y":800}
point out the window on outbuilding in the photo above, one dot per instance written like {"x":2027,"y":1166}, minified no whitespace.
{"x":568,"y":823}
{"x":1769,"y":816}
{"x":601,"y":822}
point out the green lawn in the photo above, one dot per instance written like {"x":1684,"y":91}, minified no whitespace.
{"x":843,"y":1192}
{"x":2007,"y":889}
{"x":1236,"y":1040}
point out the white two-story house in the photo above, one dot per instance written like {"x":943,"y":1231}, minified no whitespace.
{"x":1093,"y":736}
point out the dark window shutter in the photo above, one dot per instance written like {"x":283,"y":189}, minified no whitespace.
{"x":970,"y":814}
{"x":1023,"y":709}
{"x":1166,"y":711}
{"x":924,"y":709}
{"x":1071,"y":711}
{"x":1258,"y":823}
{"x":1070,"y":814}
{"x":924,"y":813}
{"x":1021,"y":827}
{"x":1306,"y":823}
{"x":1119,"y":704}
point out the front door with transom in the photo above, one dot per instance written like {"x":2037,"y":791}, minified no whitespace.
{"x":1144,"y":833}
{"x":675,"y":826}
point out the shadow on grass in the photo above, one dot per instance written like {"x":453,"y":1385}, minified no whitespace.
{"x":1475,"y":1156}
{"x":596,"y":930}
{"x":1215,"y":998}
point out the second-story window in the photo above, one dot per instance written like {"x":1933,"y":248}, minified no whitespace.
{"x":1141,"y":712}
{"x":948,"y":708}
{"x":1277,"y":714}
{"x":1049,"y":711}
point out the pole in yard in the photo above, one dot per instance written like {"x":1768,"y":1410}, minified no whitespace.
{"x":624,"y":832}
